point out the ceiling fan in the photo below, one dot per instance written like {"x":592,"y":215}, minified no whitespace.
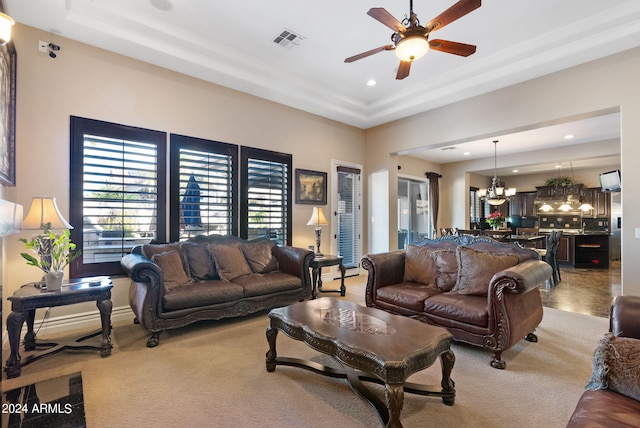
{"x":411,"y":40}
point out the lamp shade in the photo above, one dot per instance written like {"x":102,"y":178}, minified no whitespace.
{"x":5,"y":28}
{"x":317,"y":218}
{"x":44,"y":210}
{"x":412,"y":48}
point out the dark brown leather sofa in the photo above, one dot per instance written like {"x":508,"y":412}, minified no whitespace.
{"x":607,"y":407}
{"x":483,"y":291}
{"x":212,"y":277}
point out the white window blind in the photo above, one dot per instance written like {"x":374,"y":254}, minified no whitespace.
{"x":348,"y":212}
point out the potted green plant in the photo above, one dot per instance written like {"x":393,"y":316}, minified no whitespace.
{"x":559,"y":182}
{"x":55,"y":251}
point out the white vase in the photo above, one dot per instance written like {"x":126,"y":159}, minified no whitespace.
{"x":54,"y":280}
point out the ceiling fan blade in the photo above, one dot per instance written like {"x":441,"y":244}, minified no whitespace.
{"x":456,"y":11}
{"x":381,"y":14}
{"x":368,"y":53}
{"x":455,"y":48}
{"x":403,"y":70}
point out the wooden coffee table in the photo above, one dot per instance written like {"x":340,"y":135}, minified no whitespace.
{"x":370,"y":345}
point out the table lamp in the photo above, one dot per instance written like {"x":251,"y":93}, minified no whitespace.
{"x":44,"y":214}
{"x":318,"y":219}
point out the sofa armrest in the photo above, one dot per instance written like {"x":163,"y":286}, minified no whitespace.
{"x":625,"y":317}
{"x":294,"y":261}
{"x":145,"y":291}
{"x":520,"y":278}
{"x":384,"y":269}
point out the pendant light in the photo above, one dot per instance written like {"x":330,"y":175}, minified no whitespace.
{"x":496,"y":194}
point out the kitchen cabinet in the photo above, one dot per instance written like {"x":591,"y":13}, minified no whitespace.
{"x":592,"y":251}
{"x":523,"y":204}
{"x":601,"y":202}
{"x":566,"y":253}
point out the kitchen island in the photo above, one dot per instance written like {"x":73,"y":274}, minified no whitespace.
{"x":583,"y":249}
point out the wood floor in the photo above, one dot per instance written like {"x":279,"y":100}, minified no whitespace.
{"x":586,"y":291}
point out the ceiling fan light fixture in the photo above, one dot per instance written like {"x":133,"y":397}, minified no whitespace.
{"x":412,"y":48}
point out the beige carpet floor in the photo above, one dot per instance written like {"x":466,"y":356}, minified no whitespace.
{"x":213,"y":374}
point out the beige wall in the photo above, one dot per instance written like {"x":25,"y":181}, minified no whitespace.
{"x":598,"y":87}
{"x":93,"y":83}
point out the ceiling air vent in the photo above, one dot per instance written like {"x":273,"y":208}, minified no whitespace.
{"x":288,"y":39}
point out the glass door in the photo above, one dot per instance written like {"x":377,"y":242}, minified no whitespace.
{"x":347,"y":217}
{"x":414,"y":221}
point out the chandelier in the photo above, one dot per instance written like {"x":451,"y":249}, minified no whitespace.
{"x":497,"y":193}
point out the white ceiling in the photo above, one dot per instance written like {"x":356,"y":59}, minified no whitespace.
{"x":230,"y":43}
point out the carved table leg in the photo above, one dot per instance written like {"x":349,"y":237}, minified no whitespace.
{"x":395,"y":400}
{"x":448,"y":359}
{"x":272,"y":334}
{"x":105,"y":307}
{"x":343,"y":289}
{"x":30,"y":336}
{"x":314,"y":283}
{"x":15,"y":320}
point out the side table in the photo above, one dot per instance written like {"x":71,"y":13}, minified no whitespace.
{"x":316,"y":274}
{"x":29,"y":297}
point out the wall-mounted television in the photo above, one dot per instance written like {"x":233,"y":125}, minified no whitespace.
{"x":610,"y":181}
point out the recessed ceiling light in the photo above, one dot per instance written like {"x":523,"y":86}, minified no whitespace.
{"x":371,"y":82}
{"x":466,"y":153}
{"x":568,"y":137}
{"x":516,"y":170}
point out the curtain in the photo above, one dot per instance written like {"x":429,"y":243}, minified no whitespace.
{"x":434,"y":199}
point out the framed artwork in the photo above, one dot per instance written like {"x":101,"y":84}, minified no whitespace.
{"x":8,"y":114}
{"x":311,"y":187}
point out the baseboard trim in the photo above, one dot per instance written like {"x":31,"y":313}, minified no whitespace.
{"x":86,"y":321}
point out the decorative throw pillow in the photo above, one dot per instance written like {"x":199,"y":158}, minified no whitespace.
{"x":616,"y":365}
{"x":201,"y":266}
{"x":446,"y":269}
{"x":476,"y":268}
{"x":229,"y":260}
{"x":419,"y":265}
{"x":173,"y":273}
{"x":259,"y":256}
{"x":148,"y":250}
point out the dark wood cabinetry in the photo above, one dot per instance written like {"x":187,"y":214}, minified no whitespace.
{"x":523,"y":204}
{"x":592,"y":251}
{"x":566,"y":250}
{"x":601,"y":202}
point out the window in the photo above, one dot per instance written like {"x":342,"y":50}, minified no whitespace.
{"x":475,"y":207}
{"x":265,"y":205}
{"x":117,"y":192}
{"x":203,"y":187}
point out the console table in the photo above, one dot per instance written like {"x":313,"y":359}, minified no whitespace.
{"x":316,"y":274}
{"x":30,"y":297}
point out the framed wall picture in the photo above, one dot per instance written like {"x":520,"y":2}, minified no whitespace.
{"x":311,"y":187}
{"x":8,"y":114}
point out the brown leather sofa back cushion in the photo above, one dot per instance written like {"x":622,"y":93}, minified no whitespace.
{"x":476,"y":268}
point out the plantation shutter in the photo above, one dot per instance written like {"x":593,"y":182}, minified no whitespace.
{"x":266,"y":195}
{"x":116,"y":193}
{"x":203,"y":200}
